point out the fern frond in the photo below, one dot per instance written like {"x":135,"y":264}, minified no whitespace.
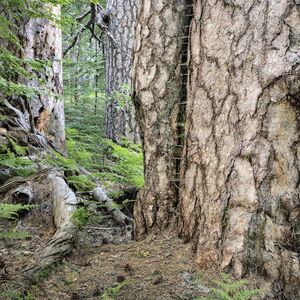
{"x":10,"y":211}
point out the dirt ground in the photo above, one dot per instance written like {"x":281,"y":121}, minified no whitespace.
{"x":151,"y":269}
{"x":106,"y":264}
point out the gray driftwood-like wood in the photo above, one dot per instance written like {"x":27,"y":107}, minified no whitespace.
{"x":62,"y":242}
{"x":43,"y":114}
{"x":108,"y":203}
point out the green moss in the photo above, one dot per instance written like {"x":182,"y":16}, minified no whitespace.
{"x":3,"y":118}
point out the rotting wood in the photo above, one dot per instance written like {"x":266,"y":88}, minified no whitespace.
{"x":111,"y":207}
{"x":62,"y":242}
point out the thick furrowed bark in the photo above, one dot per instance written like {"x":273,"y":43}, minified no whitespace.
{"x":157,"y":86}
{"x":240,"y":191}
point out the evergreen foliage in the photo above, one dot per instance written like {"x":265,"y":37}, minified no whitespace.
{"x":12,"y":67}
{"x":129,"y":164}
{"x":81,"y":182}
{"x":110,"y":162}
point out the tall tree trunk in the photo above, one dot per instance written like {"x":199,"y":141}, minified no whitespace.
{"x":120,"y":117}
{"x":239,"y":194}
{"x":96,"y":77}
{"x":157,"y":86}
{"x":40,"y":39}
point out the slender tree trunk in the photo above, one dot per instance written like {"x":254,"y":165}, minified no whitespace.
{"x":239,"y":194}
{"x":96,"y":79}
{"x":157,"y":85}
{"x":44,"y":113}
{"x":120,"y":117}
{"x":77,"y":76}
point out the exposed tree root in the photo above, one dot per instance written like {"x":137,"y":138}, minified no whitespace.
{"x":62,"y":242}
{"x":64,"y":203}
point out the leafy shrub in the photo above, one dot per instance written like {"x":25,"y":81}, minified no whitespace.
{"x":10,"y":158}
{"x":109,"y":162}
{"x":15,"y":295}
{"x":60,"y":161}
{"x":128,"y":165}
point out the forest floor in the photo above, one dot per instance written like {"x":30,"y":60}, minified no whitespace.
{"x":106,"y":264}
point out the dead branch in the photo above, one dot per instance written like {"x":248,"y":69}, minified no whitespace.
{"x":99,"y":17}
{"x":85,"y":14}
{"x":116,"y":213}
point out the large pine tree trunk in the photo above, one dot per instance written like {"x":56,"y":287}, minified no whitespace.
{"x":239,"y":193}
{"x":120,"y":117}
{"x":43,"y":113}
{"x":157,"y":86}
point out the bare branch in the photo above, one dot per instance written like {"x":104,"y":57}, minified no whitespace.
{"x":76,"y":37}
{"x":80,"y":18}
{"x":99,"y":17}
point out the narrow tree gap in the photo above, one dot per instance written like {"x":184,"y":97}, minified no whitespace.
{"x":184,"y":75}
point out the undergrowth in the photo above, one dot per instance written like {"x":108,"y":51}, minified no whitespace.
{"x":226,"y":288}
{"x":109,"y":162}
{"x":11,"y":211}
{"x":81,"y":217}
{"x":13,"y":157}
{"x":112,"y":293}
{"x":15,"y":295}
